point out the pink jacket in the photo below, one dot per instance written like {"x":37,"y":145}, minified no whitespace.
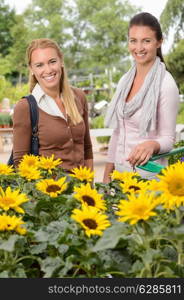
{"x":126,"y":136}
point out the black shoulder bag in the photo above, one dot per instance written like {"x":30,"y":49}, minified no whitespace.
{"x":34,"y":125}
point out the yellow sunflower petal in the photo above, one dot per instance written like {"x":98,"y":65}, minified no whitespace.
{"x":132,"y":185}
{"x":29,"y":160}
{"x":12,"y":199}
{"x":11,"y":223}
{"x":89,"y":196}
{"x":138,"y":207}
{"x":52,"y":187}
{"x":91,"y":219}
{"x":5,"y":169}
{"x":171,"y":186}
{"x":30,"y":173}
{"x":123,"y":176}
{"x":49,"y":163}
{"x":82,"y":173}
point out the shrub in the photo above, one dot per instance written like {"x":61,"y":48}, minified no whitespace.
{"x":98,"y":122}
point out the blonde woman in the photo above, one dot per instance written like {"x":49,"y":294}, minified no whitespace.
{"x":63,"y":128}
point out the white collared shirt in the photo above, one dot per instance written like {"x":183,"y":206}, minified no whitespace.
{"x":46,"y":103}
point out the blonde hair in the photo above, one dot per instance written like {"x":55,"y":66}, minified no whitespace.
{"x":65,"y":89}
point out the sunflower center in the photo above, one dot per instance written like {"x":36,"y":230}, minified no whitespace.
{"x":7,"y":200}
{"x":48,"y":165}
{"x":140,"y":210}
{"x":53,"y":188}
{"x":31,"y":163}
{"x":176,"y":189}
{"x":90,"y":201}
{"x":90,"y":223}
{"x":134,"y":187}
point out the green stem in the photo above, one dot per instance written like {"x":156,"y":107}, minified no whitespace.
{"x":78,"y":268}
{"x":6,"y":256}
{"x":146,"y":243}
{"x":180,"y":252}
{"x":179,"y":216}
{"x":25,"y":257}
{"x":139,"y":234}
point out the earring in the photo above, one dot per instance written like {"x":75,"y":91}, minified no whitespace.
{"x":32,"y":74}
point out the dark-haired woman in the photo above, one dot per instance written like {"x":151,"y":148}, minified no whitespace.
{"x":144,"y":107}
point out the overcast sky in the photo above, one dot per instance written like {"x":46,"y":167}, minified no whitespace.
{"x":154,"y":7}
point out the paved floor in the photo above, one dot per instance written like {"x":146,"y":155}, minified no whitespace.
{"x":99,"y":159}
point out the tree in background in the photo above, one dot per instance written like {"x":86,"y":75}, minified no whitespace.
{"x":100,"y":30}
{"x":20,"y":34}
{"x":47,"y":19}
{"x":5,"y":66}
{"x":92,"y":35}
{"x":175,"y":63}
{"x":172,"y":17}
{"x":7,"y":20}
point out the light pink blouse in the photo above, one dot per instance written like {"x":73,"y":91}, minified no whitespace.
{"x":126,"y":136}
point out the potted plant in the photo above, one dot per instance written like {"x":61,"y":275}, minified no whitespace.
{"x":5,"y":120}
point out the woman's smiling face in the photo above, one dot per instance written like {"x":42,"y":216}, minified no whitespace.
{"x":143,"y":44}
{"x":47,"y":68}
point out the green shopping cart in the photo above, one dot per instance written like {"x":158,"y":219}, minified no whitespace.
{"x":154,"y":167}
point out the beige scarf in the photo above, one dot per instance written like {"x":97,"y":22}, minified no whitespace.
{"x":147,"y":98}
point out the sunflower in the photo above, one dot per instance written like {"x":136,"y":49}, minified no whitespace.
{"x":171,"y":185}
{"x":154,"y":185}
{"x":52,"y":187}
{"x":91,"y":219}
{"x":10,"y":223}
{"x":49,"y":163}
{"x":5,"y":170}
{"x":30,"y":173}
{"x":82,"y":173}
{"x":138,"y":207}
{"x":123,"y":176}
{"x":89,"y":196}
{"x":29,"y":160}
{"x":12,"y":199}
{"x":132,"y":185}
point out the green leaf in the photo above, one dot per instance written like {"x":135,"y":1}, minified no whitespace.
{"x":4,"y":274}
{"x":63,"y":248}
{"x":9,"y":245}
{"x":176,"y":233}
{"x":151,"y":255}
{"x":37,"y":249}
{"x":20,"y":272}
{"x":68,"y":265}
{"x":111,"y":237}
{"x":41,"y":236}
{"x":137,"y":267}
{"x":50,"y":264}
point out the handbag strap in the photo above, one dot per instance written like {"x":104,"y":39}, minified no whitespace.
{"x":33,"y":113}
{"x":34,"y":124}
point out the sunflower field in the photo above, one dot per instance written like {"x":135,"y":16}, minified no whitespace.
{"x":56,"y":224}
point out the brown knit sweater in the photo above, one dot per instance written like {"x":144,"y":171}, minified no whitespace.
{"x":70,"y":143}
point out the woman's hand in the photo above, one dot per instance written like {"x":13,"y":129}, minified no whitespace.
{"x":142,"y":153}
{"x":109,"y":167}
{"x":89,"y":164}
